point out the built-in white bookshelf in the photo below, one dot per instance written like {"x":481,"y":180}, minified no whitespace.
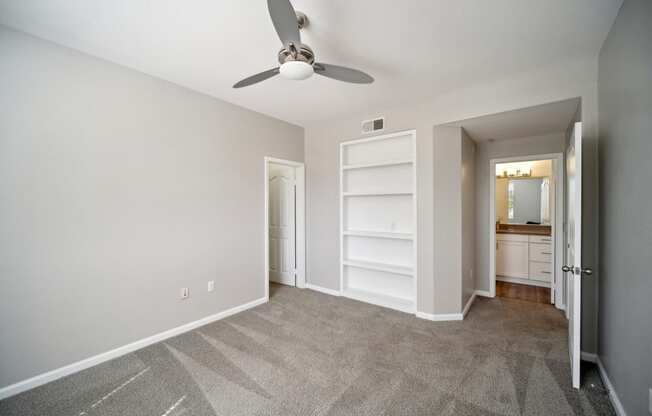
{"x":379,"y":234}
{"x":378,"y":220}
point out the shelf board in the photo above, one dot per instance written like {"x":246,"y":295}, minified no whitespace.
{"x":392,"y":302}
{"x":390,"y":193}
{"x":379,"y":234}
{"x":381,"y":267}
{"x":377,"y":164}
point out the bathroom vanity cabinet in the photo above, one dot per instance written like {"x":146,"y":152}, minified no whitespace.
{"x":522,"y":258}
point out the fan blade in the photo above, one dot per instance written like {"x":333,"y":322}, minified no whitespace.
{"x":285,"y":22}
{"x":256,"y":78}
{"x":342,"y":73}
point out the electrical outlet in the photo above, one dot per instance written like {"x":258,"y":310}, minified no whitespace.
{"x":211,"y":285}
{"x":185,"y":292}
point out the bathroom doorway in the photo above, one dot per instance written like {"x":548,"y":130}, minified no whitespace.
{"x":527,"y":228}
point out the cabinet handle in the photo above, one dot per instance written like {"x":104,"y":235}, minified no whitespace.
{"x":546,"y":252}
{"x":545,"y":272}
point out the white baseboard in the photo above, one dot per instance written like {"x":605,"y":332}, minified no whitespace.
{"x":440,"y":316}
{"x":589,"y":356}
{"x":44,"y":378}
{"x":484,"y":293}
{"x":615,"y":401}
{"x":325,"y":290}
{"x":468,"y":305}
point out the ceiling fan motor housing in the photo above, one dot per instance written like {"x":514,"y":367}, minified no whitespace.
{"x":303,"y":53}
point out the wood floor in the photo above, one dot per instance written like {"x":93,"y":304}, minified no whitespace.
{"x":523,"y":292}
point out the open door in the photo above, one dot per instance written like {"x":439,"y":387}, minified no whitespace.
{"x":282,"y":224}
{"x":573,"y":267}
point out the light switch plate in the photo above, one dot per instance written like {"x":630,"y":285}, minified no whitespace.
{"x":185,"y":292}
{"x":211,"y":285}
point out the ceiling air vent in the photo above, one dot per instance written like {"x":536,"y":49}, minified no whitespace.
{"x":377,"y":124}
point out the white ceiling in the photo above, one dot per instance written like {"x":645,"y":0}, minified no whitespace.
{"x":532,"y":121}
{"x":416,"y":49}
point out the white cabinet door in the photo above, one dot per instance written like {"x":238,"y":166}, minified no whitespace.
{"x":512,"y":259}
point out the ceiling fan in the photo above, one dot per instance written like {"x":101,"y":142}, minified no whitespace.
{"x":296,"y":59}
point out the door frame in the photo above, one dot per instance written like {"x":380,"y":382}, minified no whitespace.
{"x":300,"y":220}
{"x":558,"y":212}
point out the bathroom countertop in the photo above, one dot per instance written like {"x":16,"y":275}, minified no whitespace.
{"x":543,"y":230}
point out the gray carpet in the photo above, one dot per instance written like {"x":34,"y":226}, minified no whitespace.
{"x":305,"y":353}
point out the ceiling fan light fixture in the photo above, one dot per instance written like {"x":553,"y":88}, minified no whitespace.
{"x":296,"y":70}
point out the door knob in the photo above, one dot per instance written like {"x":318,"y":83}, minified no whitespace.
{"x":570,"y":269}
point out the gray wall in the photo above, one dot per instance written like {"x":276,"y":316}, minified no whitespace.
{"x":625,"y":319}
{"x":448,"y":238}
{"x":116,"y":190}
{"x":468,"y":217}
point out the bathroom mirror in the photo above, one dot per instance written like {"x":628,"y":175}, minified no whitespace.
{"x":523,"y":200}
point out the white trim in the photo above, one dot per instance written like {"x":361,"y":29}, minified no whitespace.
{"x":484,"y":293}
{"x":440,"y":316}
{"x":283,"y":161}
{"x":300,"y":214}
{"x":341,"y":213}
{"x":382,"y":267}
{"x":559,"y":212}
{"x":377,"y":164}
{"x":390,"y":302}
{"x":58,"y":373}
{"x":613,"y":396}
{"x":559,"y":198}
{"x":415,"y":220}
{"x":266,"y":225}
{"x":589,"y":356}
{"x":381,"y":137}
{"x":300,"y":220}
{"x":380,"y":234}
{"x":468,"y":305}
{"x":324,"y":290}
{"x":387,"y":193}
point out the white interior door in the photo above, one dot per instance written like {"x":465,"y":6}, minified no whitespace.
{"x":282,"y":224}
{"x":573,"y":267}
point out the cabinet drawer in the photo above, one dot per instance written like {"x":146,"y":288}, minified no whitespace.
{"x":540,"y":271}
{"x":511,"y":237}
{"x":541,"y":252}
{"x":545,"y":239}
